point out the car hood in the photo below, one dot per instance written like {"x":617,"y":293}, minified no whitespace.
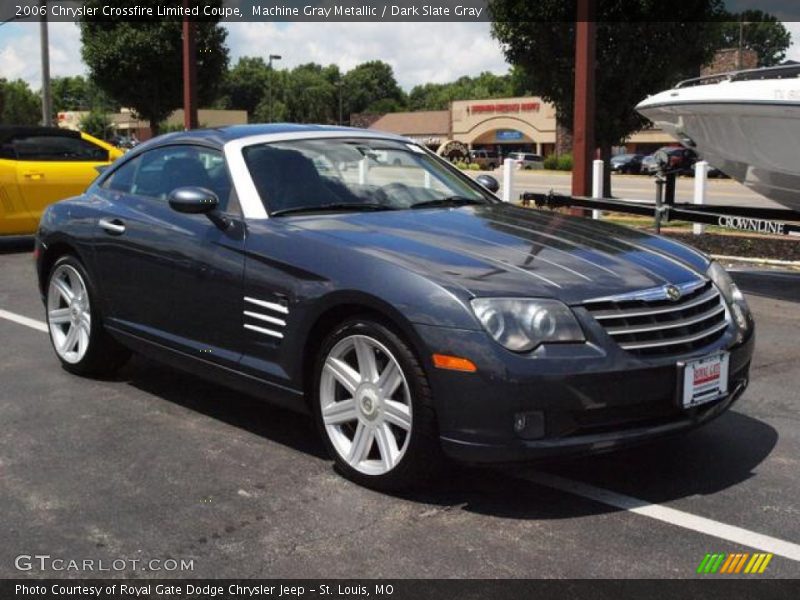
{"x":500,"y":250}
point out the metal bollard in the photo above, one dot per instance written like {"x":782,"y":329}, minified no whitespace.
{"x":659,"y":203}
{"x":700,"y":190}
{"x":597,"y":185}
{"x":508,"y":178}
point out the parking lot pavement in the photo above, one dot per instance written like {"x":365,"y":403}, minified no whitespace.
{"x":154,"y":464}
{"x":639,"y":187}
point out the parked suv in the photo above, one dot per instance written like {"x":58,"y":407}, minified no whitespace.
{"x":487,"y":160}
{"x":526,"y":160}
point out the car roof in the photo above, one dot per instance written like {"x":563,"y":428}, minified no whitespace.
{"x":219,"y":136}
{"x":10,"y":131}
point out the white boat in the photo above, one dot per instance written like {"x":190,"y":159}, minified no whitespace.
{"x":745,"y":123}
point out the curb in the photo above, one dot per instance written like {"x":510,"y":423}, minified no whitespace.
{"x":759,"y":261}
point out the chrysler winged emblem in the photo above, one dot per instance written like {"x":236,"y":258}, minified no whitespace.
{"x":673,"y":293}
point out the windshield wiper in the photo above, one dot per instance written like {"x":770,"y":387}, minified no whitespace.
{"x":447,"y":201}
{"x":355,"y":206}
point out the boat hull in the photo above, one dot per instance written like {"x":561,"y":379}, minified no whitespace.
{"x":749,"y":130}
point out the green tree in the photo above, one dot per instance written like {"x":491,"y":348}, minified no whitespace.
{"x":77,"y":93}
{"x":18,"y":104}
{"x":310,"y":95}
{"x":96,"y":123}
{"x":367,"y":84}
{"x":757,"y":31}
{"x":438,"y":96}
{"x":272,"y":107}
{"x":636,"y":54}
{"x":245,"y":85}
{"x":139,"y":64}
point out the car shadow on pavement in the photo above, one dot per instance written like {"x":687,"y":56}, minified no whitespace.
{"x":705,"y":461}
{"x":285,"y":427}
{"x":16,"y":244}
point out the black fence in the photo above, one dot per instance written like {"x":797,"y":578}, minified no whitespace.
{"x":739,"y":218}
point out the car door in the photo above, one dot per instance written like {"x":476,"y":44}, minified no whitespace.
{"x":14,"y":215}
{"x":170,"y":277}
{"x":51,"y":167}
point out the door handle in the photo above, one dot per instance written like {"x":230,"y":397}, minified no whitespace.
{"x":112,"y":226}
{"x":33,"y":175}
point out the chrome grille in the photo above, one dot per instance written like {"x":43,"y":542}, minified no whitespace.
{"x":647,"y":323}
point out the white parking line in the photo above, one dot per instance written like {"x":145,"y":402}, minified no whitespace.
{"x":28,"y":322}
{"x":665,"y":514}
{"x":672,"y":516}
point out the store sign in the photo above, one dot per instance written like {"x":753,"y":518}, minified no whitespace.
{"x":507,"y":135}
{"x":504,"y":108}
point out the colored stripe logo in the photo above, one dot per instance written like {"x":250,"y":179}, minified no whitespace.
{"x":732,"y":564}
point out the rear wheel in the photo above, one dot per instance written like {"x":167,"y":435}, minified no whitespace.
{"x":373,"y":406}
{"x":74,"y":323}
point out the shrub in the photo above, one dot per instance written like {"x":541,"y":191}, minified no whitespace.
{"x":461,"y":165}
{"x":473,"y":167}
{"x":556,"y":162}
{"x":565,"y":162}
{"x":551,"y":162}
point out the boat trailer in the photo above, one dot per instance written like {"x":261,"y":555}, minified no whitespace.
{"x":736,"y":218}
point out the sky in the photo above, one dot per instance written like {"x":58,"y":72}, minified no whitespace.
{"x":418,"y":52}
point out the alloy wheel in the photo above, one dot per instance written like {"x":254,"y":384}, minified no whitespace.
{"x":365,"y":403}
{"x":69,"y":316}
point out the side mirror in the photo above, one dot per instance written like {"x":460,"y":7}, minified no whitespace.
{"x":489,"y":182}
{"x":193,"y":200}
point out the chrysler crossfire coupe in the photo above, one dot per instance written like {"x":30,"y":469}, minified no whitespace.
{"x":360,"y":278}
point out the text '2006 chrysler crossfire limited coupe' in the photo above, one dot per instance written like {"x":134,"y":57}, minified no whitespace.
{"x":356,"y":276}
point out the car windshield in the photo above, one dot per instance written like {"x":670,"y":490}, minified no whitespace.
{"x":351,"y":174}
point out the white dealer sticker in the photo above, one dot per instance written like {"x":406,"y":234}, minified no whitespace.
{"x":705,"y":379}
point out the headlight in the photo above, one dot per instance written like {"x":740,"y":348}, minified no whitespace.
{"x":522,"y":324}
{"x":731,"y":292}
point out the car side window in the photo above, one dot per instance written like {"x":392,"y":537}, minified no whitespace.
{"x":57,"y":148}
{"x":163,"y":170}
{"x":121,"y":180}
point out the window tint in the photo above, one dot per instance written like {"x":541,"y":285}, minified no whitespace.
{"x":57,"y":148}
{"x":162,"y":170}
{"x":314,"y":174}
{"x":121,"y":180}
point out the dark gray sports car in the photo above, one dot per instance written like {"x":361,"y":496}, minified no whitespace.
{"x":357,"y":276}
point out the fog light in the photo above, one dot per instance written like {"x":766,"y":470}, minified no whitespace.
{"x":529,"y":425}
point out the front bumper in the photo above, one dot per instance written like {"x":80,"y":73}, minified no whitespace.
{"x":589,"y":398}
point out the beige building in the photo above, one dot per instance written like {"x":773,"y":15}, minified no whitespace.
{"x":518,"y":123}
{"x":126,"y":123}
{"x":504,"y":124}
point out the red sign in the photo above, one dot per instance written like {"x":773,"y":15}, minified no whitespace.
{"x":505,"y":108}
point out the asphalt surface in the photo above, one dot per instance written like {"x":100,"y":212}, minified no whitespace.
{"x":154,"y":464}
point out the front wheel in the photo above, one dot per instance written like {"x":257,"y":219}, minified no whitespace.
{"x":74,"y":323}
{"x":373,"y":406}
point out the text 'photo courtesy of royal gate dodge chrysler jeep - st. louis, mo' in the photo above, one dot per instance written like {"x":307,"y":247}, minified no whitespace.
{"x":360,"y":278}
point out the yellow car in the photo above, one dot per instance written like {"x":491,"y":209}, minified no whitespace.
{"x":41,"y":165}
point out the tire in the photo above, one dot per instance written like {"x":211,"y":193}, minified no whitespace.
{"x":372,"y":442}
{"x":75,"y":325}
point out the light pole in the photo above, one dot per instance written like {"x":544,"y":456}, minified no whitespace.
{"x":339,"y":85}
{"x":47,"y":101}
{"x":742,"y":23}
{"x":269,"y":87}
